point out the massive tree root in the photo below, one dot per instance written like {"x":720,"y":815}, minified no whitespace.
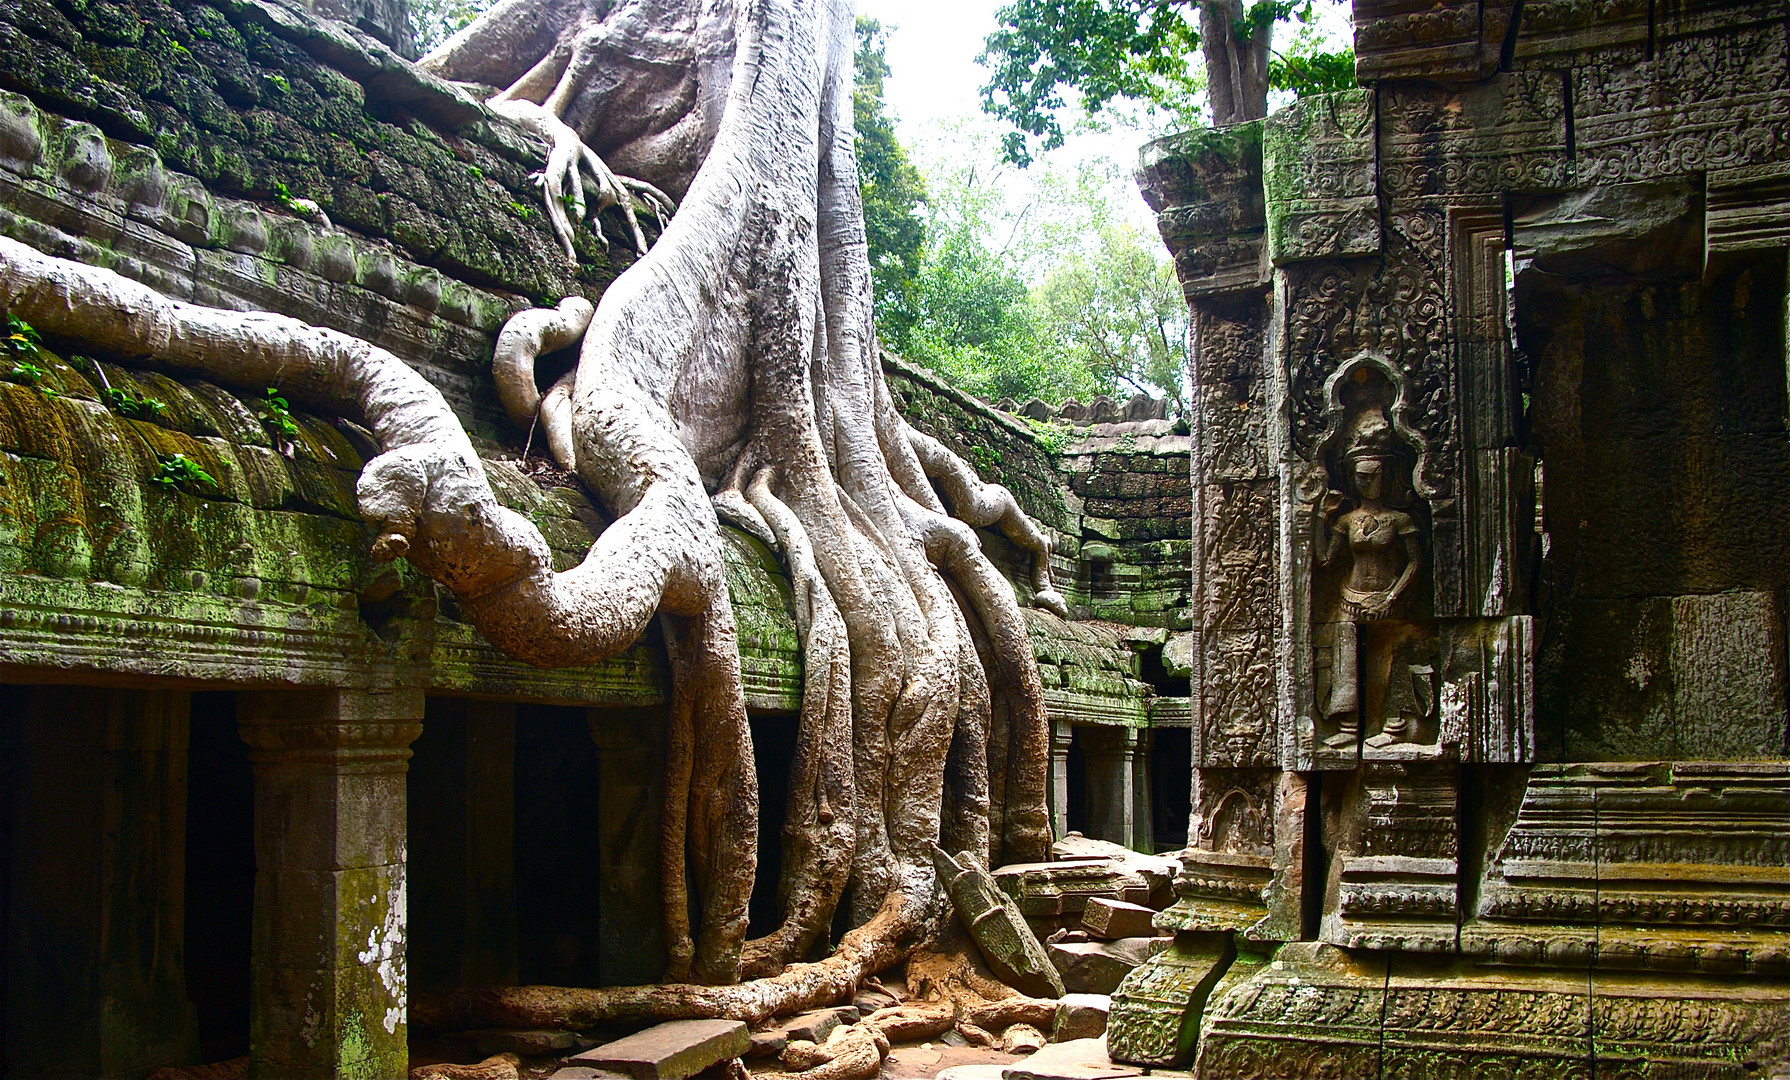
{"x":730,"y":370}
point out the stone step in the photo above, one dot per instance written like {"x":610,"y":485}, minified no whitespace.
{"x":670,"y":1051}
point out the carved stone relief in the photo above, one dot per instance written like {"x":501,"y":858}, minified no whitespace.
{"x":1319,"y":166}
{"x":1375,"y":663}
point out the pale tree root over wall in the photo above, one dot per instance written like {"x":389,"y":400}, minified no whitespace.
{"x":731,"y":370}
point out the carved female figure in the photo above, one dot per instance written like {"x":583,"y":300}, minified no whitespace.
{"x":1385,"y":553}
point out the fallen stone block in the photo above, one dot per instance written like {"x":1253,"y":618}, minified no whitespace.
{"x":670,"y":1051}
{"x":816,"y":1024}
{"x":1080,"y":1016}
{"x":1110,"y":919}
{"x":1097,"y":967}
{"x":1023,"y":1039}
{"x":869,"y":1001}
{"x":1079,"y":1059}
{"x":768,"y":1043}
{"x":972,"y":1072}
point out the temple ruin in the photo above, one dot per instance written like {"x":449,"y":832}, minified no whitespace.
{"x":1415,"y":707}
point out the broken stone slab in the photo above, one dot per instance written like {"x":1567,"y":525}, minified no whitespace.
{"x":1078,"y":1059}
{"x":670,"y":1051}
{"x":997,"y":926}
{"x":768,"y":1043}
{"x":1109,"y":919}
{"x":582,"y":1072}
{"x":972,"y":1072}
{"x":869,"y":1001}
{"x":1080,"y":1016}
{"x":1097,"y":967}
{"x":1157,"y":1010}
{"x":816,"y":1024}
{"x":1023,"y":1039}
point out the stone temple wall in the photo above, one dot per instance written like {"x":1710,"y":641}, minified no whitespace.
{"x":224,"y":641}
{"x":1489,"y":474}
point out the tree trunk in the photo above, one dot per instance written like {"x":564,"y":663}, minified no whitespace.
{"x":732,"y":370}
{"x":1236,"y":67}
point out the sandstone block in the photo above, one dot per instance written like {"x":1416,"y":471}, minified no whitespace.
{"x":816,"y":1024}
{"x":671,"y":1051}
{"x":1023,"y":1039}
{"x":1108,"y":919}
{"x":1097,"y":967}
{"x":1080,"y":1016}
{"x":1079,"y":1059}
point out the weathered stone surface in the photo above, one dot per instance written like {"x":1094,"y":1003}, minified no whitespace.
{"x":1156,"y":1009}
{"x":1103,"y":918}
{"x":524,"y":1043}
{"x":670,"y":1051}
{"x":815,"y":1025}
{"x":1080,"y":1016}
{"x":1078,"y":1059}
{"x":1097,"y":967}
{"x":997,"y":926}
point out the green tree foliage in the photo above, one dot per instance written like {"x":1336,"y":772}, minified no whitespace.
{"x":434,"y":21}
{"x":1055,"y":298}
{"x":891,"y":187}
{"x":1049,"y":56}
{"x":1118,"y":314}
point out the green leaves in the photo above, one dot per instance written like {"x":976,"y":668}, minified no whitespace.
{"x":1097,"y":49}
{"x":276,"y":415}
{"x":134,"y":406}
{"x":1055,"y":56}
{"x":892,"y":190}
{"x":175,"y":470}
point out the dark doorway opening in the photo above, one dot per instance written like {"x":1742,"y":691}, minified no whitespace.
{"x":1077,"y":810}
{"x":773,"y":749}
{"x":1171,"y":786}
{"x":558,"y":878}
{"x":220,"y":876}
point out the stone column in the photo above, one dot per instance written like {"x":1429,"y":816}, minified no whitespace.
{"x":630,"y":796}
{"x":1062,"y":736}
{"x":328,"y":995}
{"x":95,"y":952}
{"x":463,"y":847}
{"x":1109,"y":758}
{"x":1143,"y":814}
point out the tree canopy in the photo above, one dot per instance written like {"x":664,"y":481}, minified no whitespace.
{"x":1052,"y":56}
{"x":891,"y":187}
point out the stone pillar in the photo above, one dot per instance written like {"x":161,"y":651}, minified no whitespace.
{"x":96,"y":979}
{"x":630,"y":796}
{"x":1143,"y":814}
{"x":1062,"y":736}
{"x":462,"y":863}
{"x":328,"y":995}
{"x":1109,"y":756}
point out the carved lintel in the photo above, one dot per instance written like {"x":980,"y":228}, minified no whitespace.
{"x":1453,"y":39}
